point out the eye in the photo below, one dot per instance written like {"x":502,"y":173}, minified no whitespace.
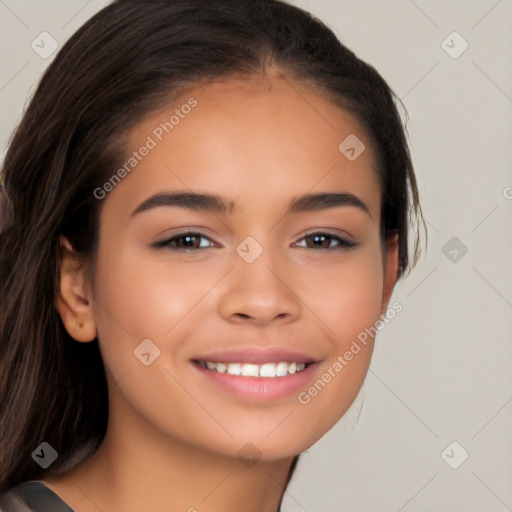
{"x":322,"y":240}
{"x":191,"y":241}
{"x":186,"y":241}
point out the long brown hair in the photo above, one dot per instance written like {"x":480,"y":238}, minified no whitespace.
{"x":129,"y":59}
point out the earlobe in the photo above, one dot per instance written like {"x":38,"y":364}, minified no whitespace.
{"x":74,"y":301}
{"x":390,"y":270}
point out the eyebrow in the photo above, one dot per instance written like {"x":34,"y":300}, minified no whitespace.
{"x":221,"y":205}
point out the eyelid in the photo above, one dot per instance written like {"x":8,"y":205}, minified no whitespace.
{"x":325,"y":231}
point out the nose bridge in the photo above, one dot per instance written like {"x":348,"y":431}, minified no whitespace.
{"x":258,"y":286}
{"x":257,"y":265}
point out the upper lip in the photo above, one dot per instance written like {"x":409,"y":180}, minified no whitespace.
{"x":257,"y":355}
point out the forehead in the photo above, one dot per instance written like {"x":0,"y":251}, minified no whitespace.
{"x":259,"y":139}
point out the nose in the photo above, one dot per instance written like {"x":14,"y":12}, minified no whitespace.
{"x":259,"y":292}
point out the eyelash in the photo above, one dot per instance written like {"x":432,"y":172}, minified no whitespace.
{"x":343,"y":244}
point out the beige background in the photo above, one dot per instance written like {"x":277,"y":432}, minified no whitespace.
{"x":441,"y":371}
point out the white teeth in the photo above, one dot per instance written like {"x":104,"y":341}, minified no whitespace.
{"x":255,"y":370}
{"x":234,"y":368}
{"x":281,"y":369}
{"x":251,"y":370}
{"x":268,"y":370}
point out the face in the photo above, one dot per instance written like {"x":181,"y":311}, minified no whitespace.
{"x":276,"y":276}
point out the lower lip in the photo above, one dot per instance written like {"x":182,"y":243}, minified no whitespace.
{"x":260,"y":388}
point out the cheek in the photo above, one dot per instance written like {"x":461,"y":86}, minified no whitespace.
{"x":147,"y":296}
{"x":151,"y":298}
{"x":346,"y":296}
{"x":349,"y":308}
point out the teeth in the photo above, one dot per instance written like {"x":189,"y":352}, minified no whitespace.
{"x":255,"y":370}
{"x":268,"y":370}
{"x":282,"y":369}
{"x":234,"y":368}
{"x":251,"y":370}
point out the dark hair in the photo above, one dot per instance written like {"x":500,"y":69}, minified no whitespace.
{"x":129,"y":59}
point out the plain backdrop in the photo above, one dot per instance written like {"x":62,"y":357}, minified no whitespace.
{"x":431,"y":429}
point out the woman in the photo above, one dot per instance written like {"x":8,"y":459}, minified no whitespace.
{"x":211,"y":205}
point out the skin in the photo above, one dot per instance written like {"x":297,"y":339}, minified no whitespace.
{"x":173,"y":437}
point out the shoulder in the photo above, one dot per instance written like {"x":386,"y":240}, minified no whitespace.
{"x":32,"y":496}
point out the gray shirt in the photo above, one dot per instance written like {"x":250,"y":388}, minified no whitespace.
{"x":32,"y":496}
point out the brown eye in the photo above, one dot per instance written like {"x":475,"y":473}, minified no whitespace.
{"x":188,"y":241}
{"x":321,"y":240}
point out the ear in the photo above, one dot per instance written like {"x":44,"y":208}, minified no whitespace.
{"x":390,"y":270}
{"x":74,"y":300}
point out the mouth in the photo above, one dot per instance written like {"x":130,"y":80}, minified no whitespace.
{"x":257,"y":374}
{"x":272,"y":369}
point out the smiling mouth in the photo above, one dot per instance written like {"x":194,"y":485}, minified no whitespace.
{"x":280,"y":369}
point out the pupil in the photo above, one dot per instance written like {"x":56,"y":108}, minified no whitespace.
{"x":189,"y":240}
{"x":319,"y":238}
